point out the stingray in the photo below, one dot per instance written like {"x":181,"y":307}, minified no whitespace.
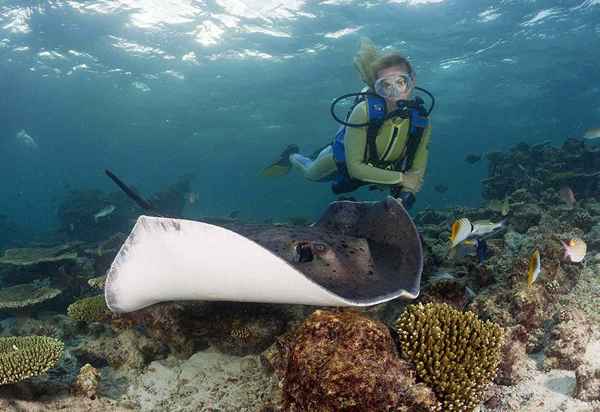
{"x":356,"y":254}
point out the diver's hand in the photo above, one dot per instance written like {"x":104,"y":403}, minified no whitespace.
{"x":412,"y":181}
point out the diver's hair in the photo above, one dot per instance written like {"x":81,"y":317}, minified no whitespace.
{"x":369,"y":62}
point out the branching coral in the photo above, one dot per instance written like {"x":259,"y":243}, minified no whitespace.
{"x":26,"y":356}
{"x":92,"y":309}
{"x":455,"y":353}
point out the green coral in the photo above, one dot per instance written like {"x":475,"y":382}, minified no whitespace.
{"x":454,"y":353}
{"x":91,"y":309}
{"x":25,"y":356}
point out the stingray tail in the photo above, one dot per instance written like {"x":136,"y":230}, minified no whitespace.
{"x":133,"y":195}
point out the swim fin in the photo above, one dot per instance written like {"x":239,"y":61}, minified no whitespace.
{"x":283,"y":165}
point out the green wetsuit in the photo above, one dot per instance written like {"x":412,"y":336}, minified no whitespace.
{"x":391,"y":146}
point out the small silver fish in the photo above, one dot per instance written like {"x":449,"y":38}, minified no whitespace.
{"x":485,"y":227}
{"x":104,"y":212}
{"x":26,"y":140}
{"x":591,"y":134}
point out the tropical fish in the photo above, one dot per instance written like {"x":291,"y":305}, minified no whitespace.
{"x":591,"y":134}
{"x":104,"y":212}
{"x":575,"y":249}
{"x":535,"y":267}
{"x":472,"y":158}
{"x":486,"y":227}
{"x":567,"y":195}
{"x":26,"y":140}
{"x":461,"y":230}
{"x":441,"y":188}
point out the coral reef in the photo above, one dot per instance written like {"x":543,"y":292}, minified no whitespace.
{"x":513,"y":362}
{"x":77,"y":210}
{"x":27,"y":264}
{"x":588,"y":383}
{"x":26,"y":297}
{"x":97,"y":282}
{"x":345,"y":361}
{"x":87,"y":381}
{"x":25,"y":356}
{"x":539,"y":167}
{"x":129,"y":349}
{"x":569,"y":339}
{"x":92,"y":309}
{"x":454,"y":353}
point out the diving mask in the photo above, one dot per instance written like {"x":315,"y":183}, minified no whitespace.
{"x":394,"y":86}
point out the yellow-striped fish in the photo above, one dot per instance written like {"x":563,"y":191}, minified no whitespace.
{"x":535,"y":267}
{"x":575,"y":249}
{"x":461,"y":229}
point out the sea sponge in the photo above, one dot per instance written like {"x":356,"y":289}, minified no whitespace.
{"x":91,"y":309}
{"x":22,"y":357}
{"x":454,"y":353}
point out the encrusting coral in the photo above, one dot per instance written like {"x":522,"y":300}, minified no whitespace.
{"x":345,"y":361}
{"x":92,"y":309}
{"x":454,"y":352}
{"x":22,"y":357}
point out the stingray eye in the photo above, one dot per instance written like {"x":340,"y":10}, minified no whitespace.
{"x":319,"y":247}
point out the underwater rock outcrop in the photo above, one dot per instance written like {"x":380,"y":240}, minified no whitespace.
{"x":587,"y":383}
{"x":537,"y":168}
{"x":22,"y":357}
{"x":87,"y":381}
{"x":569,"y":339}
{"x":129,"y":349}
{"x":454,"y":353}
{"x":93,"y":215}
{"x":345,"y":361}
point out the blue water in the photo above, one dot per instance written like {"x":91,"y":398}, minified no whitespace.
{"x":157,"y":89}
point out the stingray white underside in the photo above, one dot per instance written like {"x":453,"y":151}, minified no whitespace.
{"x":167,"y":259}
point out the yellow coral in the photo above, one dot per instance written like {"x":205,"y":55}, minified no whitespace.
{"x":92,"y":309}
{"x":25,"y":356}
{"x":453,"y":352}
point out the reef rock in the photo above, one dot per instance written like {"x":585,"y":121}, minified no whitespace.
{"x":87,"y":381}
{"x":129,"y":349}
{"x":569,"y":340}
{"x":345,"y":361}
{"x":588,"y":383}
{"x":514,"y":360}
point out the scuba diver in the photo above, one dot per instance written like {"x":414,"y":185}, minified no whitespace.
{"x":383,"y":142}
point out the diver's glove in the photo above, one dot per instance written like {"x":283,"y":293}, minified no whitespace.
{"x":412,"y":181}
{"x":407,"y":198}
